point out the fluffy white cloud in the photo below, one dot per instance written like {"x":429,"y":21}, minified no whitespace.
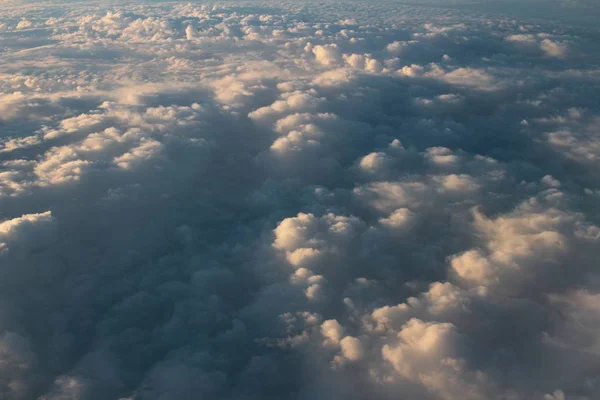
{"x":30,"y":230}
{"x":328,"y":54}
{"x":250,"y":200}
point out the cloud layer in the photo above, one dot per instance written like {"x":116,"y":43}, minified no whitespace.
{"x":303,"y":201}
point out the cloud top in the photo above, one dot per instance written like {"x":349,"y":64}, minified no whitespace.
{"x":332,"y":200}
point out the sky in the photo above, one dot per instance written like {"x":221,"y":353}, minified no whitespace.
{"x":254,"y":200}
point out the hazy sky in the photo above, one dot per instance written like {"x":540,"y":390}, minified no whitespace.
{"x":252,"y":200}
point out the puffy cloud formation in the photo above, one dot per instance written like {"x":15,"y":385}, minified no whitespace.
{"x":324,"y":200}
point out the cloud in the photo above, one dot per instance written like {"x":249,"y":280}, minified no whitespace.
{"x":327,"y":55}
{"x":549,"y":47}
{"x":261,"y":201}
{"x":29,"y":230}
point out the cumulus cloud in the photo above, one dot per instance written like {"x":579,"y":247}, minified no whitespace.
{"x":250,"y":200}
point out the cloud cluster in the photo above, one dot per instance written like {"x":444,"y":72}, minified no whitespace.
{"x":306,"y":201}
